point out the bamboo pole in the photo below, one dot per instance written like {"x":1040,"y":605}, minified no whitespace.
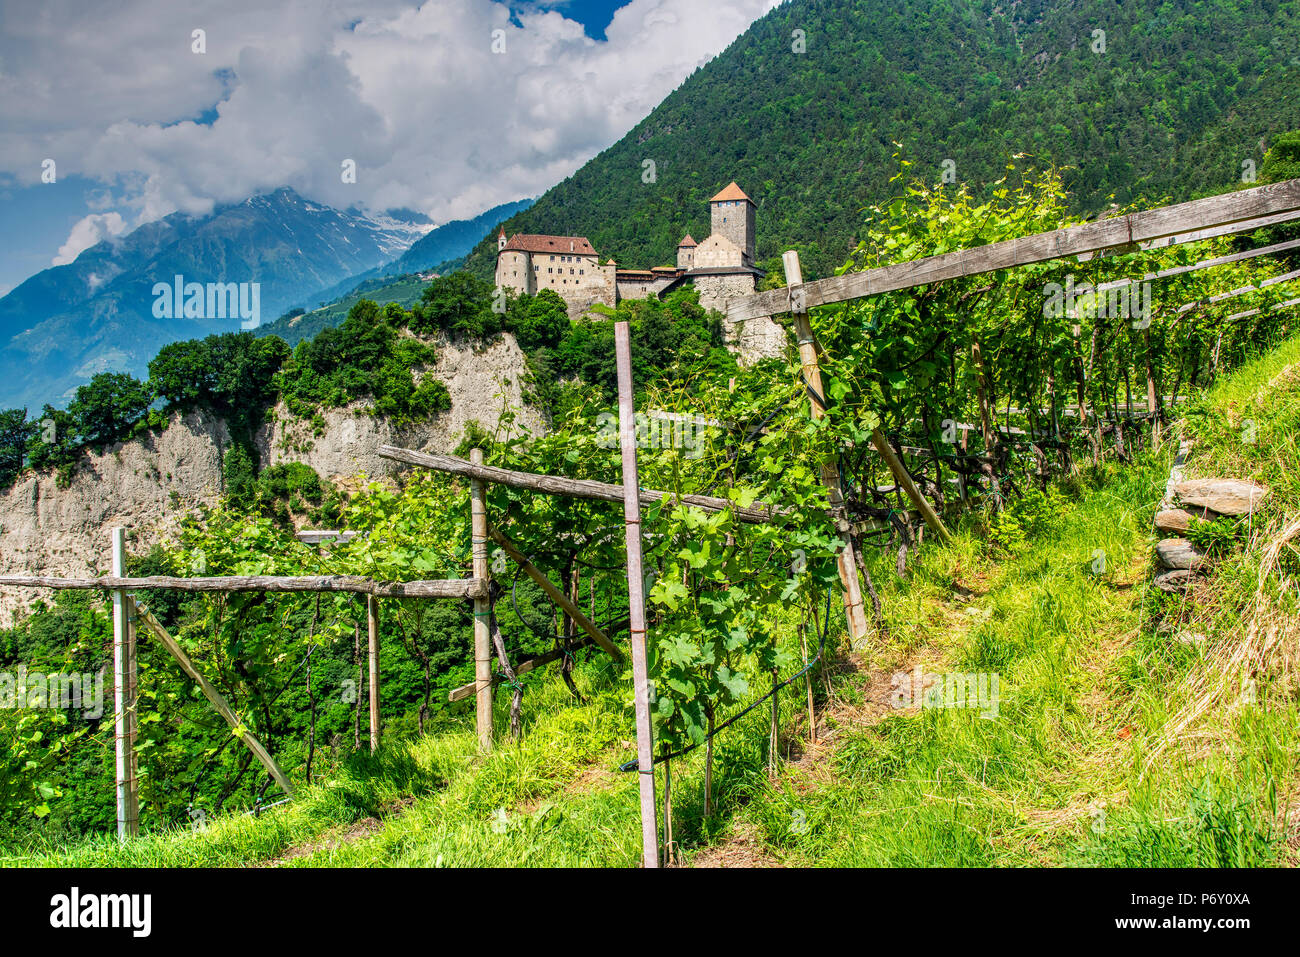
{"x":854,"y":611}
{"x":557,"y":596}
{"x":372,"y":622}
{"x":482,"y":633}
{"x":124,"y":700}
{"x":216,"y":699}
{"x":636,"y":597}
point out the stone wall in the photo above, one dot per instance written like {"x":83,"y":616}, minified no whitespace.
{"x":752,"y":339}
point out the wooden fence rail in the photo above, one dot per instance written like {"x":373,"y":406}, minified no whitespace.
{"x":574,"y":488}
{"x":437,"y":588}
{"x":1229,"y":211}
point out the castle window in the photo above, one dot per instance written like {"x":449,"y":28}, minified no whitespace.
{"x":582,"y":272}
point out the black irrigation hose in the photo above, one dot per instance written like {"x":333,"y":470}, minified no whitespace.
{"x":635,"y":764}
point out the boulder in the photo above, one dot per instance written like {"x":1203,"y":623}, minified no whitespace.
{"x":1225,"y":496}
{"x":1173,"y":579}
{"x":1176,"y":521}
{"x":1179,"y":553}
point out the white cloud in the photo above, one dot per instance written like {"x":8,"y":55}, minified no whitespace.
{"x":89,"y":230}
{"x":411,"y":91}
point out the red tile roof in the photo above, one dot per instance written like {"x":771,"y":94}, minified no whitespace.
{"x":687,"y":242}
{"x":572,"y":245}
{"x":731,"y":192}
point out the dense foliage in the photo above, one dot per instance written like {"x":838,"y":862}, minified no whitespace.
{"x":1033,"y":388}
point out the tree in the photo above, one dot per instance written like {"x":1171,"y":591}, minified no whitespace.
{"x":15,"y":433}
{"x":232,"y":373}
{"x":52,"y":444}
{"x":1282,"y":161}
{"x":541,"y":320}
{"x":458,"y":303}
{"x":106,"y":407}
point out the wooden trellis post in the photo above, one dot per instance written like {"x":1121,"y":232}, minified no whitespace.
{"x":482,"y":633}
{"x":372,"y":619}
{"x":854,"y":611}
{"x":636,"y":599}
{"x":124,"y":699}
{"x":812,"y":373}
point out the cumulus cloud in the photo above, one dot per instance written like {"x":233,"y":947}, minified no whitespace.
{"x":89,"y":230}
{"x":411,"y":92}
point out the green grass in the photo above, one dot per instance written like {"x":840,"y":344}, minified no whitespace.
{"x":1076,"y":768}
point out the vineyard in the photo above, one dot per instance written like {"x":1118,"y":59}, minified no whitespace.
{"x":799,"y":520}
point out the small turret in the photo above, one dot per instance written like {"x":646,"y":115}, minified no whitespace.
{"x":501,"y":239}
{"x":686,"y":253}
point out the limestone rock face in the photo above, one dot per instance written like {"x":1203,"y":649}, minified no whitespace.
{"x":149,"y":483}
{"x":1179,"y":553}
{"x":145,"y":484}
{"x":1223,"y":495}
{"x":483,"y":381}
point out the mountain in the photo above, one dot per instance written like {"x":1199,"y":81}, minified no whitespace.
{"x":405,"y":290}
{"x":1161,"y":99}
{"x":98,"y":313}
{"x":398,"y":281}
{"x":453,"y":240}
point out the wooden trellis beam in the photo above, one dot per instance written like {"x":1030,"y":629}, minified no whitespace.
{"x":573,"y":488}
{"x":1240,"y":291}
{"x":436,"y":588}
{"x":846,"y":564}
{"x":482,"y":633}
{"x":1233,"y":211}
{"x":1255,"y":312}
{"x":553,"y":593}
{"x":1196,"y":267}
{"x":215,"y":698}
{"x":1213,"y":232}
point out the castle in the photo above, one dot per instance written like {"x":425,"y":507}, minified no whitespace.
{"x":722,"y":267}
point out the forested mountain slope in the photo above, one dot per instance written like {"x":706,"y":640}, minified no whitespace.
{"x":1171,"y":101}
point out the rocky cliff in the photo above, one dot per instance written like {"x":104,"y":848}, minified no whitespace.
{"x":149,"y":483}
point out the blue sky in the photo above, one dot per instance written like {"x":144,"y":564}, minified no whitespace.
{"x":594,"y":15}
{"x":436,"y":115}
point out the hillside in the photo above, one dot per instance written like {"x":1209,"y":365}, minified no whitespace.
{"x":57,"y":524}
{"x":1182,"y":96}
{"x":452,"y":240}
{"x":293,"y":327}
{"x":1096,"y":672}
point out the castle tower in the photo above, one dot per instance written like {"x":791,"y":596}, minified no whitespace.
{"x":686,"y":253}
{"x":734,"y":217}
{"x":501,"y":239}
